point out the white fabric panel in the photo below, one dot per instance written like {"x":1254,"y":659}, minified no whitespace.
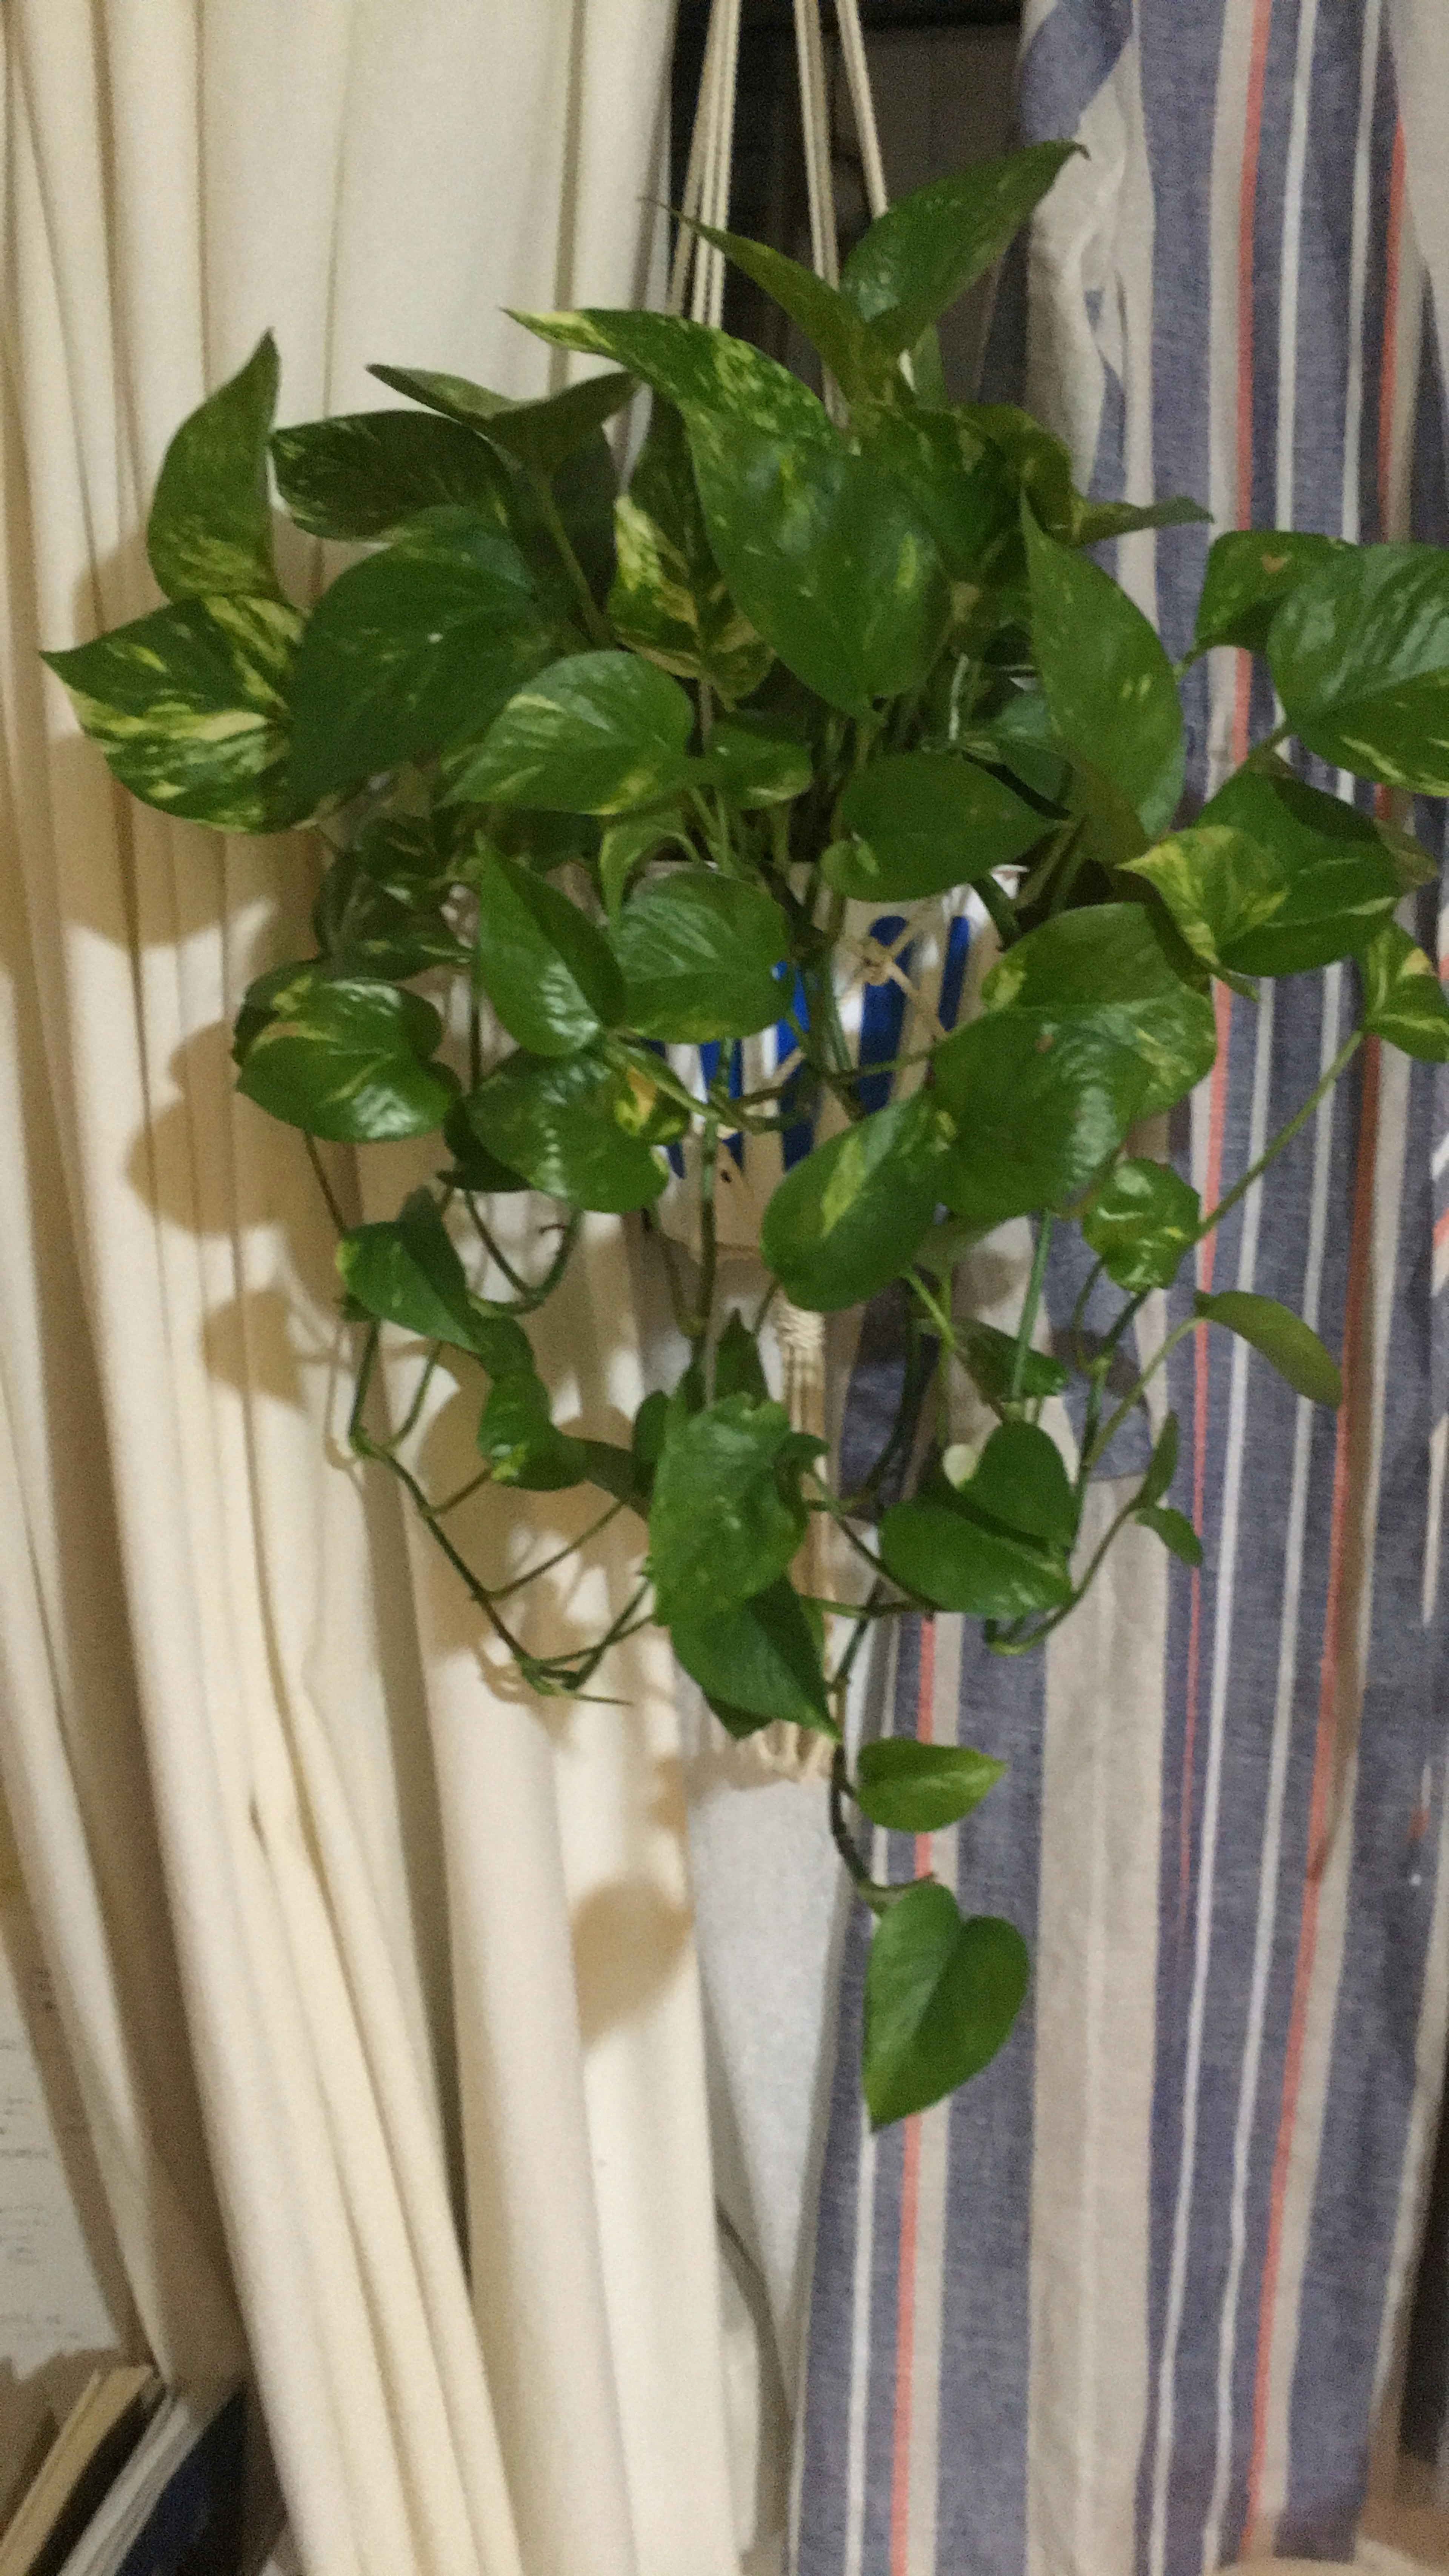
{"x":222,"y":1749}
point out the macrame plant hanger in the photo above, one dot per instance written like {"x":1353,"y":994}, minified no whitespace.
{"x":698,"y":269}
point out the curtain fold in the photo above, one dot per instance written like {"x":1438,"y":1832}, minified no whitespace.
{"x":342,"y":1931}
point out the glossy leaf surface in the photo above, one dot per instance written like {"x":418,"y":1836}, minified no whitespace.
{"x":670,"y":600}
{"x":698,"y":953}
{"x":921,"y":1788}
{"x":540,"y":434}
{"x":1106,"y":969}
{"x":210,"y":528}
{"x":923,"y":822}
{"x":848,"y":1218}
{"x":941,"y":1996}
{"x":1360,"y":658}
{"x":760,"y":1660}
{"x":692,"y":366}
{"x":1141,"y":1223}
{"x":407,"y":1272}
{"x":595,"y":734}
{"x":549,"y":974}
{"x":1250,"y":572}
{"x":1292,"y":1346}
{"x":190,"y":707}
{"x":1106,"y":678}
{"x":960,"y":1562}
{"x":363,"y":474}
{"x":562,"y":1123}
{"x":727,"y":1516}
{"x":1403,"y":999}
{"x":1038,"y":1105}
{"x":925,"y":250}
{"x":825,"y":554}
{"x":352,"y":1062}
{"x":411,"y":647}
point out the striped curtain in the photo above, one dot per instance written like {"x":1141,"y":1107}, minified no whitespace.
{"x":1141,"y":2295}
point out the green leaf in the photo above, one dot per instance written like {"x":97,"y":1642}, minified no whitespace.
{"x":1039,"y":1108}
{"x":924,"y":821}
{"x":920,"y":1788}
{"x":760,"y":1660}
{"x":562,"y":1122}
{"x":592,"y":735}
{"x":473,"y":1167}
{"x":550,"y":976}
{"x":368,"y":931}
{"x":991,"y":1358}
{"x":755,"y":767}
{"x":727,"y":1516}
{"x":1142,"y":1221}
{"x":1162,"y":1466}
{"x":862,"y":366}
{"x":363,"y":474}
{"x":962,"y":1563}
{"x":941,"y":1996}
{"x":698,"y":954}
{"x":924,"y":251}
{"x":189,"y":706}
{"x":539,"y":434}
{"x":1403,"y":999}
{"x":1174,"y":1529}
{"x":502,"y":1345}
{"x":1020,"y":1480}
{"x":1250,"y":572}
{"x":1329,"y":880}
{"x":626,"y":845}
{"x":1107,"y":680}
{"x":738,"y":1369}
{"x":1096,"y":521}
{"x":669,"y":600}
{"x":847,"y":1219}
{"x":958,"y":482}
{"x":1219,"y":885}
{"x":692,"y":365}
{"x":210,"y":529}
{"x":350,"y":1061}
{"x":410,"y":647}
{"x":825,"y":554}
{"x":1292,"y":1346}
{"x":518,"y":1438}
{"x":1106,"y":969}
{"x":1359,"y":653}
{"x":407,"y":1272}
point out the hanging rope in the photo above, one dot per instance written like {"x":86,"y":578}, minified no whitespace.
{"x":783,"y":1752}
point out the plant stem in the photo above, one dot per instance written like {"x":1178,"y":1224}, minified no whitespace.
{"x":1114,"y":1422}
{"x":1027,"y":1326}
{"x":323,"y":1184}
{"x":1001,"y":908}
{"x":549,"y":513}
{"x":1285,"y":1135}
{"x":876,"y":1897}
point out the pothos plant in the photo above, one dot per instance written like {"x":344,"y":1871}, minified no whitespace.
{"x":598,"y":781}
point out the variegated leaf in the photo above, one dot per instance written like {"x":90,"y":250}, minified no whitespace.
{"x":210,"y":528}
{"x":189,"y":706}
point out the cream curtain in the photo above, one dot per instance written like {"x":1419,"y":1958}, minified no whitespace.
{"x":359,"y":1957}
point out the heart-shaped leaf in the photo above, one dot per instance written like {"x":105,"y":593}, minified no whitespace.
{"x":1174,"y":1529}
{"x":407,"y":1272}
{"x":691,"y":364}
{"x":1106,"y":968}
{"x":190,"y":705}
{"x":825,"y":554}
{"x":592,"y":735}
{"x":1403,"y":999}
{"x":518,"y":1438}
{"x":1142,"y":1221}
{"x":563,"y":1123}
{"x":1250,"y":572}
{"x":941,"y":1996}
{"x":350,"y":1061}
{"x":962,"y":1563}
{"x":959,"y":483}
{"x":848,"y":1218}
{"x":698,"y":954}
{"x":760,"y":1661}
{"x":412,"y":647}
{"x":1162,"y":1466}
{"x":1039,"y":1108}
{"x":916,"y":1788}
{"x":924,"y":821}
{"x":549,"y":974}
{"x":1020,"y":1479}
{"x":670,"y":601}
{"x":727,"y":1516}
{"x":539,"y":434}
{"x":1359,"y":653}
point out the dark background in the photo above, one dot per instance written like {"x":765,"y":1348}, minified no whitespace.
{"x":941,"y":76}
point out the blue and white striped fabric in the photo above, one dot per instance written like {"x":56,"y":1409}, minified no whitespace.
{"x":1139,"y":2296}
